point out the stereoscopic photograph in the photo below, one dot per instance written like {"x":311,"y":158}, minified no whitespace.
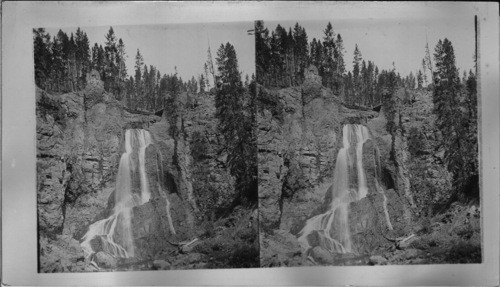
{"x":250,"y":143}
{"x":146,"y":154}
{"x":368,"y":142}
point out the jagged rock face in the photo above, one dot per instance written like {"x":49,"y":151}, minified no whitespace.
{"x":195,"y":158}
{"x":369,"y":225}
{"x":77,"y":158}
{"x":371,"y":165}
{"x":184,"y":167}
{"x":297,"y":147}
{"x":426,"y":168}
{"x":414,"y":145}
{"x":94,"y":91}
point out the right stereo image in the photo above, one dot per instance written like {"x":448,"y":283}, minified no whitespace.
{"x":367,"y":136}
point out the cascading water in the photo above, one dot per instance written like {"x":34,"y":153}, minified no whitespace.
{"x":115,"y":232}
{"x":332,"y":227}
{"x":144,"y":141}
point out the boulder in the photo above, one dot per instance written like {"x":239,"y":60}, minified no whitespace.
{"x":321,"y":255}
{"x":280,"y":249}
{"x":377,"y":260}
{"x":411,"y":253}
{"x":104,"y":260}
{"x":161,"y":265}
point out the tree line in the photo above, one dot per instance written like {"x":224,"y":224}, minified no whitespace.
{"x":455,"y":107}
{"x":283,"y":55}
{"x":63,"y":61}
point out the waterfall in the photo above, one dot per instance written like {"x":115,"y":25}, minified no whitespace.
{"x":144,"y":141}
{"x":330,"y":229}
{"x":114,"y":233}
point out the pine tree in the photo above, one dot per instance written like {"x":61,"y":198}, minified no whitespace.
{"x":110,"y":59}
{"x":120,"y":60}
{"x":145,"y":88}
{"x":340,"y":64}
{"x":428,"y":61}
{"x":201,"y":81}
{"x":300,"y":51}
{"x":356,"y":76}
{"x":42,"y":56}
{"x":456,"y":119}
{"x":419,"y":79}
{"x":329,"y":67}
{"x":139,"y":61}
{"x":209,"y":66}
{"x":424,"y":74}
{"x":207,"y":81}
{"x":83,"y":60}
{"x":236,"y":125}
{"x":263,"y":53}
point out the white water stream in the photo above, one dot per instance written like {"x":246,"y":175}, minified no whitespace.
{"x":115,"y":231}
{"x":332,"y":226}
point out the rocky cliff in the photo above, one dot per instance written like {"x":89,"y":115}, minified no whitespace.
{"x":300,"y":134}
{"x":80,"y":138}
{"x":79,"y":143}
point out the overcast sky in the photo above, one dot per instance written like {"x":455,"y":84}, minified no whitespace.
{"x":400,"y":40}
{"x":181,"y":45}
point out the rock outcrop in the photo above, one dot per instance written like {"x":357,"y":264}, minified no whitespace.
{"x":78,"y":149}
{"x":80,"y":139}
{"x":300,"y":134}
{"x":297,"y":143}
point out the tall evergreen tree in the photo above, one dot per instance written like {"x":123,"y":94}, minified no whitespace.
{"x":300,"y":51}
{"x":139,"y":62}
{"x":420,"y":79}
{"x":236,"y":125}
{"x":202,"y":83}
{"x":263,"y":53}
{"x":329,"y":67}
{"x":110,"y":57}
{"x":42,"y":56}
{"x":456,"y":119}
{"x":83,"y":60}
{"x":424,"y":74}
{"x":356,"y":73}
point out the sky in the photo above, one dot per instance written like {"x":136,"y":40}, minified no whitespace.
{"x":178,"y":45}
{"x":382,"y":41}
{"x":401,"y":41}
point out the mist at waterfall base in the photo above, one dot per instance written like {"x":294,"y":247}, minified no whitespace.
{"x":331,"y":228}
{"x":115,"y":232}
